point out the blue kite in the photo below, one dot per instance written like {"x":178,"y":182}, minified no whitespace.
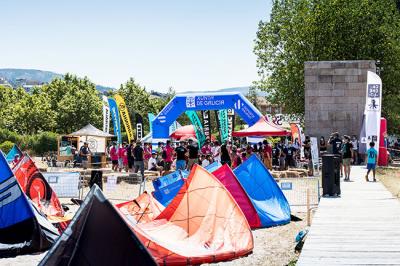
{"x":268,"y":199}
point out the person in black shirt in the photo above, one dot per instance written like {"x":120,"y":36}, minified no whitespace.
{"x":180,"y":156}
{"x":193,"y":154}
{"x":131,"y":160}
{"x":322,"y":144}
{"x":138,"y":157}
{"x":336,"y":144}
{"x":347,"y":153}
{"x":225,"y":157}
{"x":276,"y":152}
{"x":290,"y":153}
{"x":84,"y":152}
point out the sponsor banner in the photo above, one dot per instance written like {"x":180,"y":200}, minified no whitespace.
{"x":223,"y":125}
{"x":125,"y":117}
{"x":206,"y":115}
{"x":115,"y":118}
{"x":106,"y":115}
{"x":373,"y":107}
{"x":231,"y":123}
{"x":151,"y":119}
{"x":194,"y":118}
{"x":314,"y":151}
{"x":139,"y":126}
{"x":64,"y":184}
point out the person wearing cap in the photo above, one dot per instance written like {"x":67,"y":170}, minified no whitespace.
{"x":84,"y":153}
{"x":152,"y":163}
{"x":180,"y":156}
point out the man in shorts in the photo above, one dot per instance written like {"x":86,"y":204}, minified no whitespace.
{"x":347,"y":153}
{"x":372,"y":154}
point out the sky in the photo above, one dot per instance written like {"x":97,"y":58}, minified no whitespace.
{"x":188,"y":45}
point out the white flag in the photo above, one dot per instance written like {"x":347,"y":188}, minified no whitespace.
{"x":106,"y":115}
{"x":373,"y":107}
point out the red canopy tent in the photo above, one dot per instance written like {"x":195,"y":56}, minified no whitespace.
{"x":262,"y":128}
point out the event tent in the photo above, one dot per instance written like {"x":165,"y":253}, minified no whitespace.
{"x":268,"y":199}
{"x":202,"y":224}
{"x":262,"y":128}
{"x":23,"y":229}
{"x":98,"y":235}
{"x":229,"y":180}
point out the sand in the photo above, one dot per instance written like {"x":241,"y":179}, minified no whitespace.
{"x":272,"y":246}
{"x":390,"y":177}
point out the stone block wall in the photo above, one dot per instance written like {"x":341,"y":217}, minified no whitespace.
{"x":335,"y":93}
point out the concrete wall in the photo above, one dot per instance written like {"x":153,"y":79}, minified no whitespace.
{"x":335,"y":96}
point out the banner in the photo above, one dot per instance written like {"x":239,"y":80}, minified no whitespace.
{"x":373,"y":107}
{"x":206,"y":123}
{"x":296,"y":132}
{"x":106,"y":115}
{"x":223,"y":125}
{"x":139,"y":127}
{"x":151,"y":119}
{"x":115,"y":118}
{"x":314,"y":151}
{"x":231,"y":123}
{"x":194,"y":118}
{"x":125,"y":117}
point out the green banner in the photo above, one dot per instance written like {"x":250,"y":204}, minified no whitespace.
{"x":223,"y":125}
{"x":196,"y":122}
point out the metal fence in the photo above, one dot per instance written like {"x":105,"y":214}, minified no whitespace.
{"x":296,"y":190}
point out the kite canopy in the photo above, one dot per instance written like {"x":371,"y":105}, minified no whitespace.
{"x":229,"y":180}
{"x":90,"y":130}
{"x":203,"y":224}
{"x":23,"y":229}
{"x":267,"y":198}
{"x":98,"y":235}
{"x":184,"y":132}
{"x":262,"y":128}
{"x":12,"y":153}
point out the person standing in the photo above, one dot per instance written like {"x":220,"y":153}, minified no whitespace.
{"x":217,"y":152}
{"x":180,"y":156}
{"x":167,"y":156}
{"x":225,"y":157}
{"x":193,"y":154}
{"x":114,"y":157}
{"x":336,"y":144}
{"x":354,"y":142}
{"x":131,"y":161}
{"x":84,"y":153}
{"x":121,"y":151}
{"x":322,"y":145}
{"x":372,"y":156}
{"x":147,"y":153}
{"x":347,"y":153}
{"x":206,"y":149}
{"x":139,"y":160}
{"x":125,"y":158}
{"x":267,"y":154}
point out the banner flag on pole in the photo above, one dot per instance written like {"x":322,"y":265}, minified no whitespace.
{"x":231,"y":123}
{"x":223,"y":125}
{"x":372,"y":111}
{"x":151,"y":118}
{"x":115,"y":118}
{"x":106,"y":115}
{"x":139,"y":127}
{"x":125,"y":116}
{"x":206,"y":123}
{"x":194,"y":118}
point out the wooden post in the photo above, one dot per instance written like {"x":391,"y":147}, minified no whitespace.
{"x":308,"y":208}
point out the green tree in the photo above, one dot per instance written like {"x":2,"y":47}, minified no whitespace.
{"x":316,"y":30}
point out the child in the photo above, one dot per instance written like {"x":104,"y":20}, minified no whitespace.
{"x":371,"y":162}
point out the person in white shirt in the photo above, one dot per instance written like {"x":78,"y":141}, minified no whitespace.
{"x":217,"y":152}
{"x":152,"y":164}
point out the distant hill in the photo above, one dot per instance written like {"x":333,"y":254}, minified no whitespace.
{"x":35,"y":76}
{"x":243,"y":90}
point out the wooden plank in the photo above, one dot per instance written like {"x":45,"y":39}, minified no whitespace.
{"x":360,"y":228}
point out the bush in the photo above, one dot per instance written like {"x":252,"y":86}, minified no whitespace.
{"x":6,"y":146}
{"x":42,"y":143}
{"x":7,"y":135}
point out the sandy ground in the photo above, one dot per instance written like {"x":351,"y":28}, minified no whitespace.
{"x":272,"y":246}
{"x":390,"y":177}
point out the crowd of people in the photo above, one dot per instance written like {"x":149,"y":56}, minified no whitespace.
{"x":183,"y":155}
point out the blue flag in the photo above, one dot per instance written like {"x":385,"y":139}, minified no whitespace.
{"x":115,"y":118}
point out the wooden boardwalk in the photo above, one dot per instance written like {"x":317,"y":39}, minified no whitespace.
{"x":360,"y":228}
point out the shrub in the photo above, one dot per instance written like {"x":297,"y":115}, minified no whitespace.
{"x":42,"y":143}
{"x":6,"y":146}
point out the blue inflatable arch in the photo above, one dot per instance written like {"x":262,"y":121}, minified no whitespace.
{"x":206,"y":101}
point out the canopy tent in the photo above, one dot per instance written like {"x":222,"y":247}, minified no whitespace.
{"x":268,"y":199}
{"x":90,"y":130}
{"x":228,"y":178}
{"x":262,"y":128}
{"x":202,"y":224}
{"x":23,"y":229}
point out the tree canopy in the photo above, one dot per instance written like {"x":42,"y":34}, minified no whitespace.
{"x":318,"y":30}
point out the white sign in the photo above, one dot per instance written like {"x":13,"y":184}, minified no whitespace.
{"x":64,"y":184}
{"x":314,"y":151}
{"x":373,"y":108}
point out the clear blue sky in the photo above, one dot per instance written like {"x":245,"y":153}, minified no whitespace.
{"x":189,"y":45}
